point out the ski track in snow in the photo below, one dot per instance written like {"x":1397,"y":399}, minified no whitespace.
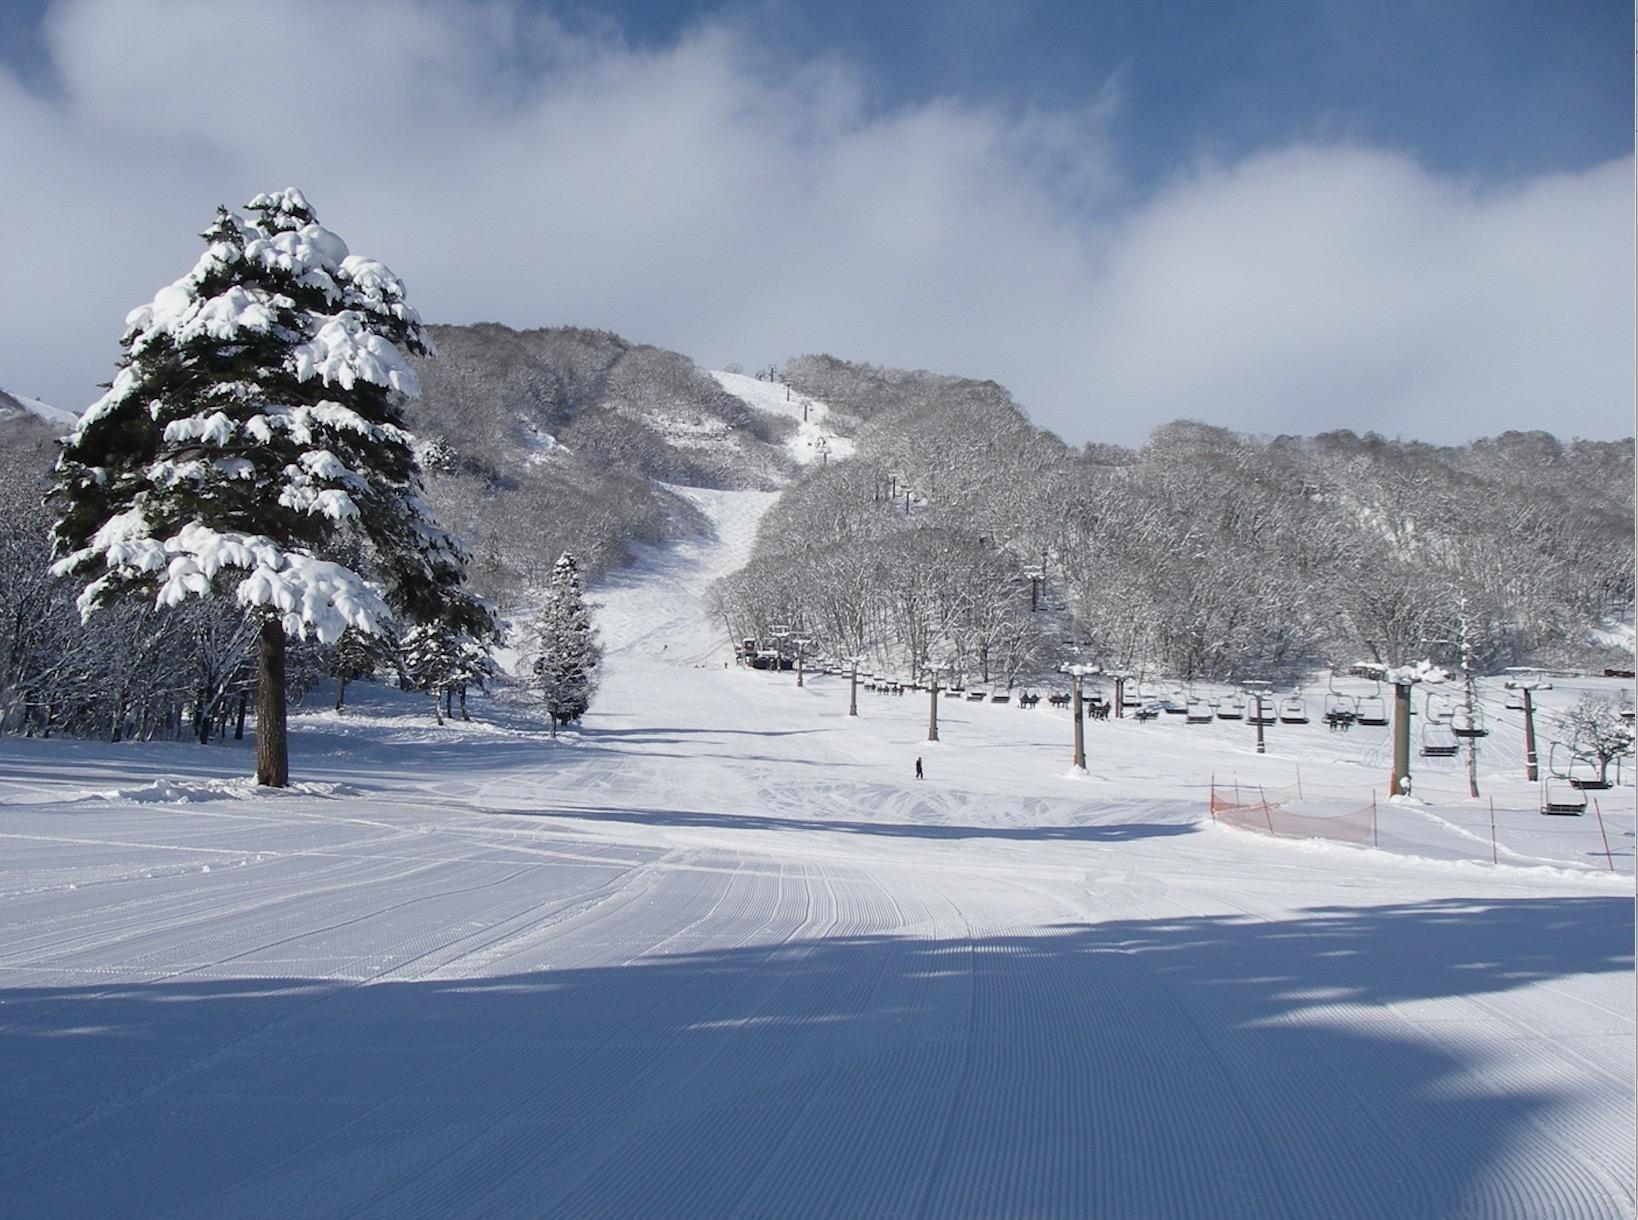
{"x":717,"y":955}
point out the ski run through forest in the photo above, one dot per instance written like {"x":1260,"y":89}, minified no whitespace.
{"x":715,"y":951}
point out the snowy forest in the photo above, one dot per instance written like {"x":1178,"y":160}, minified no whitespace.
{"x":962,"y":537}
{"x":957,"y":536}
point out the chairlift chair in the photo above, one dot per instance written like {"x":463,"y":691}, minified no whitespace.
{"x":1515,"y":699}
{"x":1469,"y":723}
{"x":1231,"y":708}
{"x":1560,"y":793}
{"x":1438,"y":741}
{"x":1197,"y":711}
{"x":1438,"y":708}
{"x":1341,"y":711}
{"x":1373,"y":709}
{"x":1294,"y":710}
{"x":1341,"y":707}
{"x":1560,"y":798}
{"x":1260,"y":709}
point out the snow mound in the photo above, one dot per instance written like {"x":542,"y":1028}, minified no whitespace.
{"x":192,"y":792}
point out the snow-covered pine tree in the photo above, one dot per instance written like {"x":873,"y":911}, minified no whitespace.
{"x":445,"y":662}
{"x":356,"y":657}
{"x":253,"y":432}
{"x":566,"y":650}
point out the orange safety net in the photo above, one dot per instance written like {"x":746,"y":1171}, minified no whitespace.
{"x":1276,"y":818}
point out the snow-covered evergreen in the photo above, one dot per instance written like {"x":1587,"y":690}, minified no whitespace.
{"x":445,"y":662}
{"x":567,"y":654}
{"x":253,"y":434}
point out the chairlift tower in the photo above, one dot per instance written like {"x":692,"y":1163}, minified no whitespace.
{"x":932,"y":700}
{"x":1121,"y":678}
{"x":853,"y":685}
{"x":1076,"y":674}
{"x":801,"y":642}
{"x":1402,"y":678}
{"x":1526,"y":683}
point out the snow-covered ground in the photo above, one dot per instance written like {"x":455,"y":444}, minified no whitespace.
{"x":814,"y":438}
{"x":719,"y":953}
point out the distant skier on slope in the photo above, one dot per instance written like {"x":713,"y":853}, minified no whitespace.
{"x":919,"y":775}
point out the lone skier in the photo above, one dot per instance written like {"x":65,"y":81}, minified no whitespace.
{"x":919,"y":775}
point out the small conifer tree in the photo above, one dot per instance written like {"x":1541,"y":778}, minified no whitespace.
{"x":254,"y":433}
{"x":567,"y":653}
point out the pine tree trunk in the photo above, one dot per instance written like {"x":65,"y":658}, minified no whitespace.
{"x":239,"y":727}
{"x":461,"y":690}
{"x":272,"y":746}
{"x":341,"y":692}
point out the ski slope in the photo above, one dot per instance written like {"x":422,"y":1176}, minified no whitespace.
{"x":719,"y":954}
{"x":814,"y":439}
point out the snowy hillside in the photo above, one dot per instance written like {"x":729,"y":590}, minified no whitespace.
{"x":14,"y":405}
{"x":719,"y":953}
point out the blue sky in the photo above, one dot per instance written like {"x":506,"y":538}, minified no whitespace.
{"x":1490,"y":87}
{"x":1280,"y":216}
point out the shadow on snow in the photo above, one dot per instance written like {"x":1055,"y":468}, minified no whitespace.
{"x":1206,"y":1066}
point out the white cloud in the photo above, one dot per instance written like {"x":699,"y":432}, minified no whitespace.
{"x":698,"y":198}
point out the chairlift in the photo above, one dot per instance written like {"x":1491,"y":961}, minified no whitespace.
{"x":1232,"y":707}
{"x":1558,"y":797}
{"x":1515,"y":699}
{"x":1260,"y":708}
{"x":1294,"y":710}
{"x":1130,"y":697}
{"x":1438,"y":741}
{"x":1373,"y":709}
{"x":1580,"y":771}
{"x":1468,"y":722}
{"x":1197,"y":711}
{"x":1438,"y":708}
{"x":1562,"y":791}
{"x":1340,"y":709}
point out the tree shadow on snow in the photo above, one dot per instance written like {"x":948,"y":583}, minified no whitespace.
{"x":1111,"y":832}
{"x":1211,"y":1067}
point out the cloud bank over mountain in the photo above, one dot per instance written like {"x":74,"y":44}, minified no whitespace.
{"x":714,"y":199}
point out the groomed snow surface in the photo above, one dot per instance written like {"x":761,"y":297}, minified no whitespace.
{"x":719,"y":954}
